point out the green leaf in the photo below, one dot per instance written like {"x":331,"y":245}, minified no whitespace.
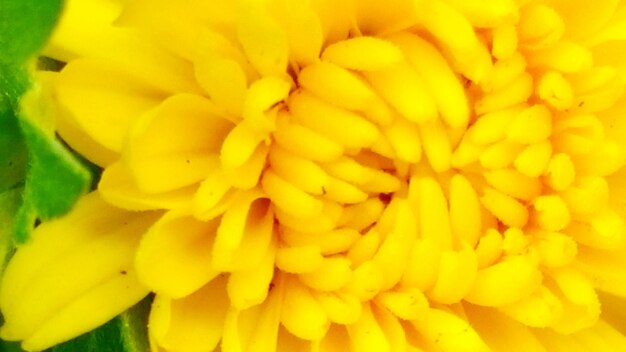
{"x":6,"y":346}
{"x":25,"y":25}
{"x":54,"y":180}
{"x":13,"y":82}
{"x":9,"y":204}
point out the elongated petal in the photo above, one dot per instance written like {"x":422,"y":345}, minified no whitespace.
{"x":79,"y":263}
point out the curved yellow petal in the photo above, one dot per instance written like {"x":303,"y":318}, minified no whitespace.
{"x":176,"y":144}
{"x":509,"y":335}
{"x":103,"y":100}
{"x":193,"y":323}
{"x":81,"y":262}
{"x":177,"y":263}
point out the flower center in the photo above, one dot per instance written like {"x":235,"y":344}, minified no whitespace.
{"x":402,"y":163}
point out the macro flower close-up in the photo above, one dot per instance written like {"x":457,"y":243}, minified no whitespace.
{"x":317,"y":175}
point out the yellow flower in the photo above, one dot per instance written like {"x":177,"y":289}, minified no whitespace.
{"x":434,"y":175}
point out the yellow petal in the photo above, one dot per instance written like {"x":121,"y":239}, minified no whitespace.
{"x":288,"y":342}
{"x":375,"y":18}
{"x":247,"y":216}
{"x":505,"y":282}
{"x":583,"y":19}
{"x":540,"y":27}
{"x":434,"y":218}
{"x":489,"y":248}
{"x":336,"y":85}
{"x":224,"y":81}
{"x":335,"y":340}
{"x":367,"y":334}
{"x":254,"y":329}
{"x":326,"y":220}
{"x":262,"y":95}
{"x":449,"y":332}
{"x":240,"y":144}
{"x":340,"y":125}
{"x":533,"y":160}
{"x":464,"y":211}
{"x":303,"y":28}
{"x":212,"y":195}
{"x":436,"y":145}
{"x":263,"y":40}
{"x":541,"y":309}
{"x":342,"y":309}
{"x":457,"y":272}
{"x":394,"y":251}
{"x":581,"y":307}
{"x":366,"y":282}
{"x":505,"y":208}
{"x":564,"y":56}
{"x":118,"y":187}
{"x":331,"y":275}
{"x":405,"y":90}
{"x":302,"y":315}
{"x":134,"y":56}
{"x":194,"y":323}
{"x":446,"y":89}
{"x":250,"y":287}
{"x":65,"y":42}
{"x":349,"y":54}
{"x":301,"y":172}
{"x":407,"y":304}
{"x":505,"y":41}
{"x":456,"y":33}
{"x":305,"y":142}
{"x":43,"y":304}
{"x":331,"y":242}
{"x":175,"y":263}
{"x":175,"y":145}
{"x":509,"y":334}
{"x":289,"y":198}
{"x":532,"y":125}
{"x":404,"y":138}
{"x":74,"y":135}
{"x":299,"y":259}
{"x":423,"y":266}
{"x":103,"y":101}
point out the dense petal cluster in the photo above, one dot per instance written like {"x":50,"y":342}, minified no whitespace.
{"x":435,"y":175}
